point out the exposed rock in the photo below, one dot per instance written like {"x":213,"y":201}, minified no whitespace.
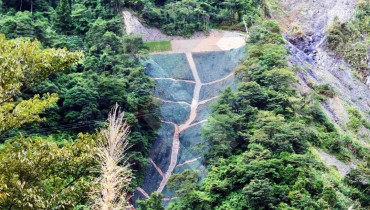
{"x":317,"y":65}
{"x":310,"y":55}
{"x":133,"y":25}
{"x":330,"y":160}
{"x":367,"y":81}
{"x":312,"y":16}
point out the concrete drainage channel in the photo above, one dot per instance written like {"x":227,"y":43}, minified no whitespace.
{"x":187,"y":84}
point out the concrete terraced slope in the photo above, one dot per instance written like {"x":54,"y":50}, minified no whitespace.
{"x":187,"y":83}
{"x":189,"y":78}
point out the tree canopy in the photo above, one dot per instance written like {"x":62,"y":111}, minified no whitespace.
{"x":23,"y":64}
{"x":79,"y":96}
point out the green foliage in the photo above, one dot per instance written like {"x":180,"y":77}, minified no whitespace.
{"x":89,"y":97}
{"x":276,"y":134}
{"x":23,"y":64}
{"x":356,"y":119}
{"x":133,"y":44}
{"x":324,"y":91}
{"x":14,"y":115}
{"x":188,"y":16}
{"x":259,"y":136}
{"x":186,"y":187}
{"x":270,"y":89}
{"x":267,"y":182}
{"x":359,"y":177}
{"x":279,"y":79}
{"x":80,"y":17}
{"x":63,"y":20}
{"x":109,"y":74}
{"x":160,"y":46}
{"x":21,"y":24}
{"x":351,"y":39}
{"x":39,"y":174}
{"x":260,"y":139}
{"x":184,"y":182}
{"x":154,"y":202}
{"x":258,"y":193}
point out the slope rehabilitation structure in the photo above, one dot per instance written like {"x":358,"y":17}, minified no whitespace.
{"x":189,"y":78}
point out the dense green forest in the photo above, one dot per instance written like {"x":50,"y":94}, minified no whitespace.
{"x":107,"y":75}
{"x":65,"y":63}
{"x":59,"y":100}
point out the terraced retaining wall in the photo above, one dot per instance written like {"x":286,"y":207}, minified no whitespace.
{"x":187,"y":84}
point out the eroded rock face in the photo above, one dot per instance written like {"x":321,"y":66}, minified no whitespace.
{"x":313,"y":16}
{"x":133,"y":25}
{"x":304,"y":23}
{"x":343,"y":168}
{"x":308,"y":52}
{"x":368,"y":80}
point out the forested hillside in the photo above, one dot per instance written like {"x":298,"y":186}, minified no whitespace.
{"x":65,"y":100}
{"x":107,"y":75}
{"x":261,"y":141}
{"x":187,"y":16}
{"x":291,"y":130}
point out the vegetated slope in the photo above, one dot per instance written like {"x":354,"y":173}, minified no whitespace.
{"x":34,"y":172}
{"x":108,"y":74}
{"x":270,"y":139}
{"x":188,"y":16}
{"x":351,"y":40}
{"x":335,"y":58}
{"x":325,"y":70}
